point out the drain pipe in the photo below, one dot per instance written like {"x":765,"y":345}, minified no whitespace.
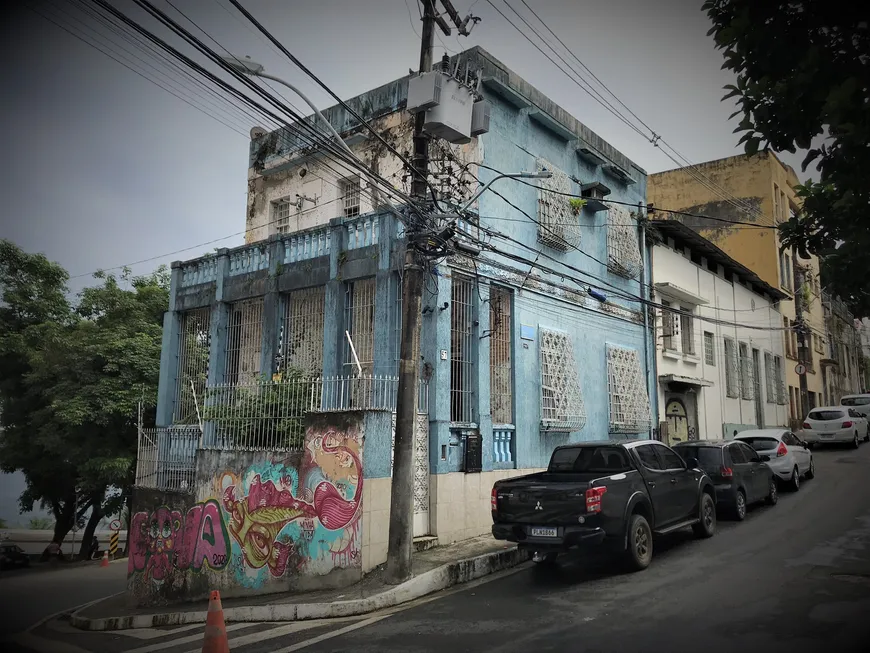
{"x":645,"y":308}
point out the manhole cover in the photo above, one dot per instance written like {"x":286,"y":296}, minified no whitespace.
{"x":863,"y":579}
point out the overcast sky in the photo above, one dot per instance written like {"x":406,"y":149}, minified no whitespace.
{"x":103,"y":168}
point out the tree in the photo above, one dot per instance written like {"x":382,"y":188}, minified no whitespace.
{"x":802,"y":73}
{"x":81,"y":374}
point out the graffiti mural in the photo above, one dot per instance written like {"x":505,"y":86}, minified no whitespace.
{"x":165,"y":539}
{"x":285,"y":518}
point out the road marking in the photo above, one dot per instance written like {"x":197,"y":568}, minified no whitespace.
{"x":264,"y":635}
{"x":150,"y":633}
{"x":184,"y":640}
{"x":322,"y":638}
{"x":43,"y":645}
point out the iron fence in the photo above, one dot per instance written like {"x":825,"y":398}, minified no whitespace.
{"x":167,"y":458}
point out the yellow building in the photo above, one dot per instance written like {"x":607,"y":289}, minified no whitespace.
{"x":759,"y":190}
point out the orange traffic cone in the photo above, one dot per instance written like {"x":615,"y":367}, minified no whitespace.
{"x":105,"y":561}
{"x":215,"y":629}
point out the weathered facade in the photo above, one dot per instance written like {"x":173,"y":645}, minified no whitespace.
{"x":841,"y":365}
{"x":721,"y":359}
{"x":740,"y":200}
{"x":516,"y":359}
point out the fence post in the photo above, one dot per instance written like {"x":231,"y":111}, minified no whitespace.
{"x":218,"y":340}
{"x":271,"y":308}
{"x":168,"y":378}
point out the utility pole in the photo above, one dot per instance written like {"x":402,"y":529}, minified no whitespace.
{"x":402,"y":501}
{"x":802,"y":330}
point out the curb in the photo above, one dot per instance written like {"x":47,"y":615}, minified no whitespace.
{"x":434,"y":580}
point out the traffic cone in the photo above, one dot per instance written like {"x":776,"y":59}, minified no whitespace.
{"x":105,"y":561}
{"x":215,"y":629}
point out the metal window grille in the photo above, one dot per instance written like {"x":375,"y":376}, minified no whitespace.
{"x":562,"y":408}
{"x":709,"y":349}
{"x":359,"y":320}
{"x":627,"y":390}
{"x":244,"y":340}
{"x":558,"y":227}
{"x":670,"y":327}
{"x":623,"y":251}
{"x":732,"y":384}
{"x":166,"y":458}
{"x":780,"y":381}
{"x":281,"y":216}
{"x":461,"y":350}
{"x":301,"y":335}
{"x":350,"y":190}
{"x":193,"y":351}
{"x":770,"y":378}
{"x":746,"y":378}
{"x":687,"y":333}
{"x":500,"y":363}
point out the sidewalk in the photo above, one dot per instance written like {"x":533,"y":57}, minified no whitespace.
{"x":433,"y":570}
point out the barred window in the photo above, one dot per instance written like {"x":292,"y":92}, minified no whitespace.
{"x":780,"y":381}
{"x":747,"y":378}
{"x":462,"y":350}
{"x":562,"y":408}
{"x":359,"y":321}
{"x":709,"y":349}
{"x":732,"y":387}
{"x":558,"y":227}
{"x":770,"y":380}
{"x":623,"y":251}
{"x":500,"y":363}
{"x":670,"y":327}
{"x":281,"y":216}
{"x":301,"y":335}
{"x":350,"y":191}
{"x":244,"y":341}
{"x":627,"y":391}
{"x":687,"y":332}
{"x":194,"y":346}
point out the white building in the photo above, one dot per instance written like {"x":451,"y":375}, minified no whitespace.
{"x":720,"y":359}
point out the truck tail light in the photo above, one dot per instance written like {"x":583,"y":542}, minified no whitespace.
{"x":846,"y":425}
{"x":727,"y":472}
{"x":781,"y":450}
{"x":593,"y":498}
{"x":493,"y":500}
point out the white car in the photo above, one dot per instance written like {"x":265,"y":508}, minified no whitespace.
{"x":790,"y":457}
{"x":858,"y":403}
{"x":835,"y":425}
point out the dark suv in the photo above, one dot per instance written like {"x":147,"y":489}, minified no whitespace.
{"x":740,"y":475}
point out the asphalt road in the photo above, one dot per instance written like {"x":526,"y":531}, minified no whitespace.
{"x":794,"y":577}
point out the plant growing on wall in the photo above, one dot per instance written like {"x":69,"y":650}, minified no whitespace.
{"x":577,"y":205}
{"x":267,"y":413}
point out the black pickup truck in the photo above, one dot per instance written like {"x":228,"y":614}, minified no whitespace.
{"x":611,"y":493}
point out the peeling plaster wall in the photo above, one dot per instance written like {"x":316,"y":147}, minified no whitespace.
{"x":258,"y":523}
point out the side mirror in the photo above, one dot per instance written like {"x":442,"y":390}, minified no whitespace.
{"x":765,"y":459}
{"x":692,"y":463}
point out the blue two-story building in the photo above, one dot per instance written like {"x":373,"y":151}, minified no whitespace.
{"x":539,"y":340}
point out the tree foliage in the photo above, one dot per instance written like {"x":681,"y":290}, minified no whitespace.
{"x":803,"y":72}
{"x":71,"y":381}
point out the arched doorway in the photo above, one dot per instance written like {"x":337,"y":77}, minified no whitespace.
{"x":678,"y":422}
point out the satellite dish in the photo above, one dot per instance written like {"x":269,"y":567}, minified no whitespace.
{"x":257,"y":132}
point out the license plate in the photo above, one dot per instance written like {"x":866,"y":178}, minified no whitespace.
{"x":544,"y":532}
{"x":827,"y":435}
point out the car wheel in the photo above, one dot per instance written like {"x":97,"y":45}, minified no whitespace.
{"x":855,"y":441}
{"x":706,"y":527}
{"x":772,"y":492}
{"x":811,"y":472}
{"x":640,"y":543}
{"x":795,"y":481}
{"x":740,"y":506}
{"x":811,"y":445}
{"x":867,"y":437}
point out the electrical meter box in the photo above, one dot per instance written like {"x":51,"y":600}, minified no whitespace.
{"x":424,"y":91}
{"x":480,"y":118}
{"x":451,"y":118}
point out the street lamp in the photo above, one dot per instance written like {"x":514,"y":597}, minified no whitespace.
{"x":543,"y":174}
{"x":247,"y":66}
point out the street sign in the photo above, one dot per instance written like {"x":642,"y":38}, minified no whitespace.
{"x":800,"y":369}
{"x":115,"y":525}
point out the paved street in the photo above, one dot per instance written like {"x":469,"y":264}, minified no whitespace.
{"x":794,"y":577}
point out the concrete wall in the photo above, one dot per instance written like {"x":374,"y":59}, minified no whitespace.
{"x":259,"y":522}
{"x":730,"y":302}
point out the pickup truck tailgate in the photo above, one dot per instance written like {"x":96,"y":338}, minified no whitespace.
{"x":535,"y":501}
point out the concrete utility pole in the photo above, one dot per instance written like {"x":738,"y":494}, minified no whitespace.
{"x":402,"y":501}
{"x":802,"y":331}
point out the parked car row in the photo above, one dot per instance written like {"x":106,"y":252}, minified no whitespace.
{"x":843,"y":424}
{"x":618,"y":495}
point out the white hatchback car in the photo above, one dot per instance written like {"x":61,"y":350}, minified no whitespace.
{"x":835,"y":425}
{"x":858,"y":403}
{"x":790,"y":457}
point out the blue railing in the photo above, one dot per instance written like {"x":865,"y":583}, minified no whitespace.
{"x":362,"y":232}
{"x":304,"y":246}
{"x":199,"y":271}
{"x":502,"y":445}
{"x":248,"y":260}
